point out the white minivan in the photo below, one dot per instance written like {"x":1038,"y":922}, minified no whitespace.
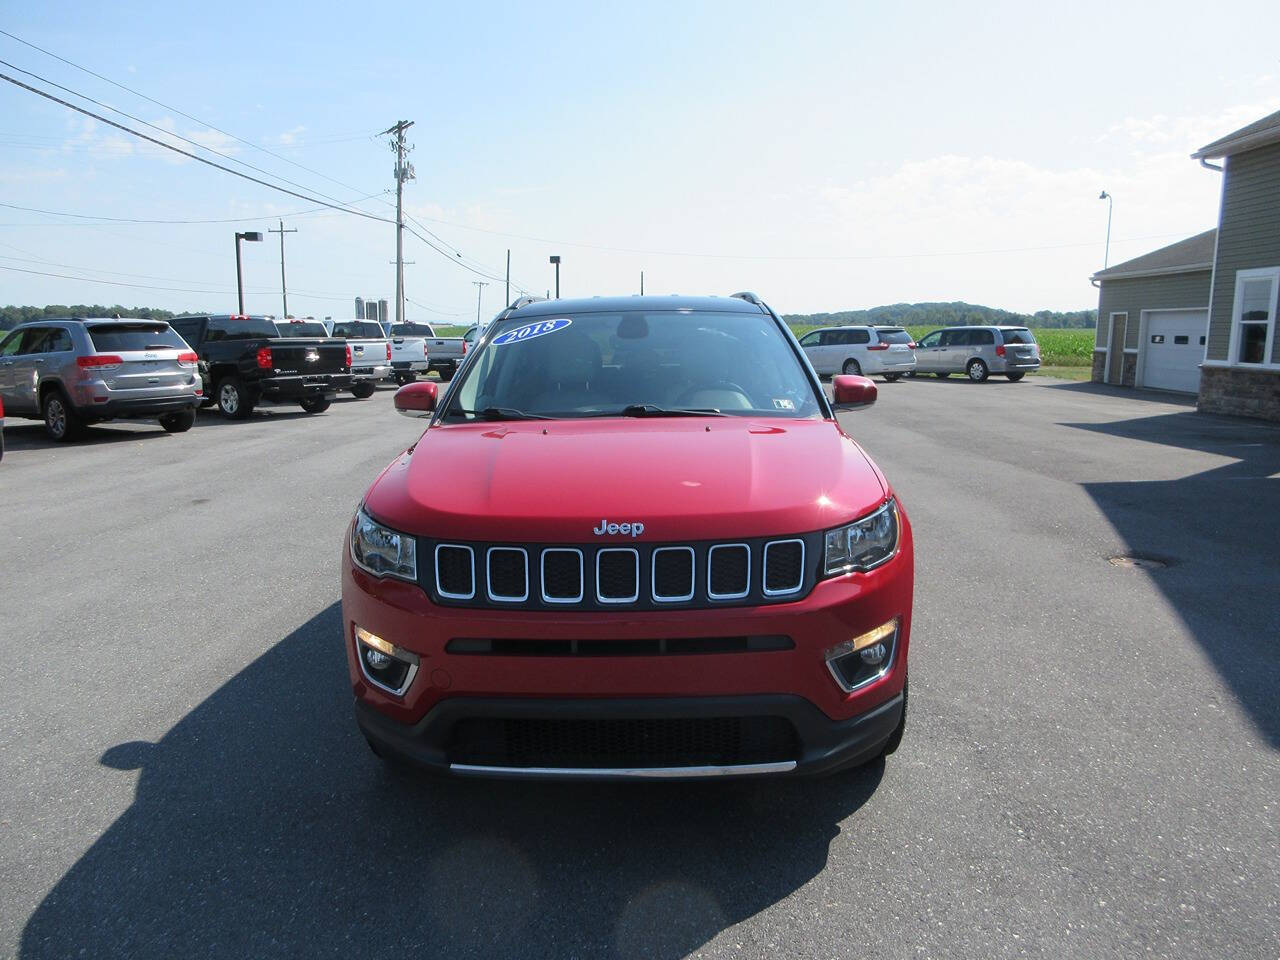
{"x":865,"y":350}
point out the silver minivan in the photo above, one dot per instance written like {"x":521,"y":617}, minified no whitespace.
{"x":74,"y":372}
{"x":862,"y":350}
{"x":978,"y":352}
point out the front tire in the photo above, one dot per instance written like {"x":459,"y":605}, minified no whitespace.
{"x":852,"y":368}
{"x":233,"y":402}
{"x":1015,"y":377}
{"x":403,"y":378}
{"x":362,"y":391}
{"x":315,"y":404}
{"x":977,"y":371}
{"x":941,"y":376}
{"x":178,"y":422}
{"x":892,"y":377}
{"x":61,"y":422}
{"x":447,"y":375}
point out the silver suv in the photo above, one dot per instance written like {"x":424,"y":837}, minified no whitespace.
{"x":978,"y":352}
{"x":74,"y":372}
{"x":864,"y":350}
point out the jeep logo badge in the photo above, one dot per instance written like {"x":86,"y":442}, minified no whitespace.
{"x":633,"y":529}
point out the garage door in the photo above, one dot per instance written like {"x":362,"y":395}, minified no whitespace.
{"x":1174,"y":349}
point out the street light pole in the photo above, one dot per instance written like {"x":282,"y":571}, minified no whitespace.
{"x":1106,"y":253}
{"x":252,"y":237}
{"x":556,"y":261}
{"x":480,"y":285}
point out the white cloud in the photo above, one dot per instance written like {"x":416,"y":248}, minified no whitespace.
{"x":290,"y":137}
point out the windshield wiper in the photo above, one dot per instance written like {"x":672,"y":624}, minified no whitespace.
{"x":497,"y":413}
{"x":653,"y":410}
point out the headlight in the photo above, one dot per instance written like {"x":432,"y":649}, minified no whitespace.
{"x":863,"y":544}
{"x":381,"y":551}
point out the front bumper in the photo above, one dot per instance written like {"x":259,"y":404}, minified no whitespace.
{"x":823,"y":746}
{"x":831,"y":725}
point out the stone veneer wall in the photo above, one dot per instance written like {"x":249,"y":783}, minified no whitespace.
{"x":1241,"y":393}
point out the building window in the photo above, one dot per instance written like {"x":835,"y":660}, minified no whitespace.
{"x":1253,"y":328}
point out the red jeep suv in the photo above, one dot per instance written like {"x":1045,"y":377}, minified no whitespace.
{"x":633,"y":541}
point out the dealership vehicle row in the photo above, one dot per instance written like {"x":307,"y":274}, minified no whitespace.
{"x":77,"y":371}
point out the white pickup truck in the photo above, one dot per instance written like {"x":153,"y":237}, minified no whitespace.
{"x":444,"y":354}
{"x":370,"y":353}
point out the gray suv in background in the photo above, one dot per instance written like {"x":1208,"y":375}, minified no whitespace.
{"x":74,"y":372}
{"x":978,"y":352}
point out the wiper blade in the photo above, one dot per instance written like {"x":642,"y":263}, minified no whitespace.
{"x":498,"y":413}
{"x":653,"y":410}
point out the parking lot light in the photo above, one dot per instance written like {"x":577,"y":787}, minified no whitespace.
{"x":252,"y":237}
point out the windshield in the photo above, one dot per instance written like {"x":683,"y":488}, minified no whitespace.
{"x":411,"y":330}
{"x":635,"y":364}
{"x":140,"y":337}
{"x":292,"y":329}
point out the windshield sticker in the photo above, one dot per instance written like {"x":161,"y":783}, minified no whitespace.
{"x":783,"y":403}
{"x":531,"y":331}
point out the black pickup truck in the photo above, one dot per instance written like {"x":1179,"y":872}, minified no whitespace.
{"x":244,"y":361}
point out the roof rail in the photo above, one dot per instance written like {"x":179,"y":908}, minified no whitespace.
{"x":747,"y":296}
{"x":523,"y":302}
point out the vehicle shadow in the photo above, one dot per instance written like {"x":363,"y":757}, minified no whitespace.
{"x":30,"y":435}
{"x":1217,"y":532}
{"x":212,"y":418}
{"x":263,"y":826}
{"x":1124,"y":393}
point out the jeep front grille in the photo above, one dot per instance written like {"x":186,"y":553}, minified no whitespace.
{"x":613,"y":576}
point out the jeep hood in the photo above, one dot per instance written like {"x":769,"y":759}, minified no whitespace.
{"x":684,"y":479}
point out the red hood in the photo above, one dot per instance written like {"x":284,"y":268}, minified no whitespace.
{"x":684,"y":479}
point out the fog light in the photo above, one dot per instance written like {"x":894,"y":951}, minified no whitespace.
{"x":867,"y":657}
{"x":383,"y":664}
{"x":872,"y":655}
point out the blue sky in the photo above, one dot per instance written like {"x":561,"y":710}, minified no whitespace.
{"x":827,"y":156}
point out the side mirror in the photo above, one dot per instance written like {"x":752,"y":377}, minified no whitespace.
{"x":848,"y":392}
{"x":419,"y":399}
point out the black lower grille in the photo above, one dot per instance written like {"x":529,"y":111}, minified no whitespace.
{"x":657,"y":647}
{"x":454,"y":572}
{"x":597,"y":743}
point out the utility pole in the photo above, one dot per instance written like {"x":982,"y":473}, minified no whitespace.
{"x":507,"y":301}
{"x":284,"y":296}
{"x":480,"y":285}
{"x":403,"y":172}
{"x":642,"y":283}
{"x":556,"y":260}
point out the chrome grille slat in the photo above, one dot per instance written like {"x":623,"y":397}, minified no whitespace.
{"x":616,"y":578}
{"x":785,"y":575}
{"x":506,"y":573}
{"x":562,"y":578}
{"x":733,"y":566}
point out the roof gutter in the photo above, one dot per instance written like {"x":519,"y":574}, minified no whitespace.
{"x":1209,"y":166}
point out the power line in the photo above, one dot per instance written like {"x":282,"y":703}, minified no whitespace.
{"x":192,"y":156}
{"x":168,"y":133}
{"x":104,"y":219}
{"x":70,"y":63}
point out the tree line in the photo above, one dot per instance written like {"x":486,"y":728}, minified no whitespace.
{"x":11,"y":316}
{"x":947,"y":315}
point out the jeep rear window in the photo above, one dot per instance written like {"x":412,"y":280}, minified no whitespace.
{"x":1017,"y":336}
{"x":122,"y":337}
{"x":893,"y":336}
{"x":358,"y":330}
{"x":291,"y":329}
{"x":597,"y":364}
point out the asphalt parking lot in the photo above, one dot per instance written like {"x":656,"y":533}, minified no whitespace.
{"x":1089,"y":769}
